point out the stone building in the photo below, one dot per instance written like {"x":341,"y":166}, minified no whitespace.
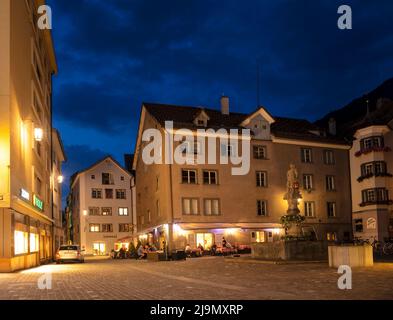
{"x":27,"y":171}
{"x":179,"y":204}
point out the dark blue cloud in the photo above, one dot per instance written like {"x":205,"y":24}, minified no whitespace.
{"x":115,"y":54}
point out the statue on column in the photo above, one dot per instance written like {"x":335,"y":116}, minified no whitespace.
{"x":293,"y":194}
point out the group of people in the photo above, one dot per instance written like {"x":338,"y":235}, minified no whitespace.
{"x":144,"y":249}
{"x":212,"y":249}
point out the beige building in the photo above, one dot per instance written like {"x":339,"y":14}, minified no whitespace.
{"x":102,"y":207}
{"x":27,"y":63}
{"x":202,"y":203}
{"x":371,"y":159}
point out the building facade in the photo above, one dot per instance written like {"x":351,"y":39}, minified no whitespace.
{"x":27,"y":63}
{"x":371,"y":159}
{"x":179,"y":204}
{"x":102,"y":208}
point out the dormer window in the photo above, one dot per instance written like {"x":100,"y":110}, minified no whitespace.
{"x":201,"y":123}
{"x":201,"y":119}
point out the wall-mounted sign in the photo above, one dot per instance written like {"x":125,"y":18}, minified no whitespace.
{"x":24,"y":194}
{"x":37,"y":202}
{"x":371,"y":223}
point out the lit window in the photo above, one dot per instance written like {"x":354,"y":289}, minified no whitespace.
{"x":34,"y":242}
{"x":94,"y":228}
{"x":190,"y":206}
{"x":212,"y":207}
{"x":106,"y":211}
{"x":20,"y":242}
{"x":123,"y":211}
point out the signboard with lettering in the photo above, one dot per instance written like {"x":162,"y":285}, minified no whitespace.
{"x":371,"y":223}
{"x":24,"y":194}
{"x":38,"y":203}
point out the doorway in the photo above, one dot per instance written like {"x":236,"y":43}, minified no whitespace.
{"x":99,"y":249}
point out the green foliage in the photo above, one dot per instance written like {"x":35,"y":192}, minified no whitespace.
{"x":288,"y":220}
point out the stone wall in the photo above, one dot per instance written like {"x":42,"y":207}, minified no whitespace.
{"x":290,"y":250}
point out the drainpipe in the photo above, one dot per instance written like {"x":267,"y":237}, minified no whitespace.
{"x":51,"y":166}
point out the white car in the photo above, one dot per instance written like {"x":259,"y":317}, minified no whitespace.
{"x":69,"y":253}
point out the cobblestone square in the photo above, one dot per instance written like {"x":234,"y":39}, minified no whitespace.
{"x":203,"y":278}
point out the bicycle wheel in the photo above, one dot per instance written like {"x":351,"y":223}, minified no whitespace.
{"x":387,"y":249}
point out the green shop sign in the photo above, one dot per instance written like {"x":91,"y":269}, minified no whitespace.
{"x":38,"y":203}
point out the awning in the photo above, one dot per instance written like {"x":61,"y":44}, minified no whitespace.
{"x":241,"y":225}
{"x":125,"y":239}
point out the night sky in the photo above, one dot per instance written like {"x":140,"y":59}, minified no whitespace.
{"x":113,"y":55}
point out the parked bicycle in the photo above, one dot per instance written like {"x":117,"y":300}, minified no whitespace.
{"x":387,"y":248}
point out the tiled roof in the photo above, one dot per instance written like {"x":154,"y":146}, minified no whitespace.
{"x":183,"y":117}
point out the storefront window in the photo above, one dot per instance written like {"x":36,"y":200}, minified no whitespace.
{"x":20,"y":242}
{"x":204,"y":239}
{"x":34,"y":242}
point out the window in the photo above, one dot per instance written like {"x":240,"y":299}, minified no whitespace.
{"x":371,"y":142}
{"x":120,"y":194}
{"x":331,"y":236}
{"x":189,"y":176}
{"x":106,"y":211}
{"x":376,"y":168}
{"x":212,"y":207}
{"x":107,"y":227}
{"x":227,"y":150}
{"x":262,"y":208}
{"x":94,"y":228}
{"x":94,"y":211}
{"x":191,"y":148}
{"x":109,"y":193}
{"x":20,"y":242}
{"x":190,"y":206}
{"x":38,"y":186}
{"x":261,"y":178}
{"x":328,"y":157}
{"x":125,"y":227}
{"x":96,"y":193}
{"x":330,"y":183}
{"x":375,"y":196}
{"x":121,"y":178}
{"x":309,"y":209}
{"x":210,"y":177}
{"x":306,"y":155}
{"x":358,"y":223}
{"x":331,"y":209}
{"x":123,"y":211}
{"x":93,"y":177}
{"x":259,"y":236}
{"x":107,"y":178}
{"x":34,"y":242}
{"x":259,"y":152}
{"x":308,"y":182}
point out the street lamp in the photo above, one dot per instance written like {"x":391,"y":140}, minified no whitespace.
{"x":60,"y":179}
{"x":38,"y":134}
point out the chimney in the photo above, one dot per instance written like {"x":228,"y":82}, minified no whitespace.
{"x":224,"y":105}
{"x":332,"y":127}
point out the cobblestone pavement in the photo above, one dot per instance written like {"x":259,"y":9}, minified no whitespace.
{"x":203,"y":278}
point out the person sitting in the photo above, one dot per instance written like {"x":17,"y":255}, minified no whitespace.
{"x":224,"y":242}
{"x":141,"y":252}
{"x":214,"y":249}
{"x":200,"y":247}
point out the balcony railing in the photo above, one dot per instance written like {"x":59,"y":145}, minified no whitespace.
{"x":372,"y":149}
{"x":372,"y":174}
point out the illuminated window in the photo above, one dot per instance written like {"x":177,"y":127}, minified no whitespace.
{"x":94,"y":228}
{"x":190,"y":206}
{"x":123,"y":211}
{"x":34,"y":242}
{"x":106,"y":211}
{"x":212,"y":207}
{"x":20,"y":242}
{"x":259,"y":236}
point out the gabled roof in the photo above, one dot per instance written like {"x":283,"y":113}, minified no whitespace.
{"x":75,"y":176}
{"x":183,"y":117}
